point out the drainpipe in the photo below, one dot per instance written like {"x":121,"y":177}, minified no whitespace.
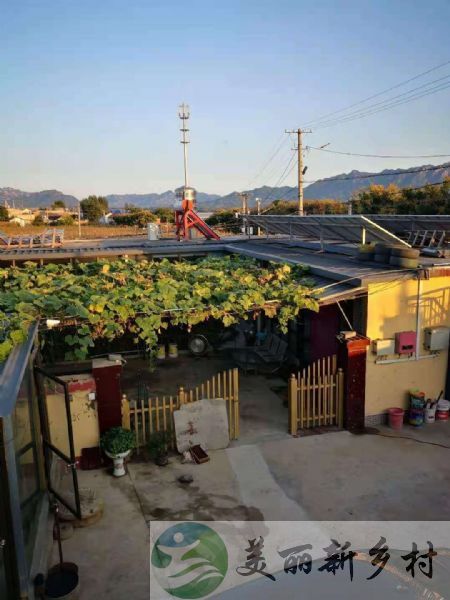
{"x":418,"y":319}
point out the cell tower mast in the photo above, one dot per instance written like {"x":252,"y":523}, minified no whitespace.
{"x":186,"y":219}
{"x":184,"y":115}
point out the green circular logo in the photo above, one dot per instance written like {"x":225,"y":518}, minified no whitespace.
{"x":189,"y":560}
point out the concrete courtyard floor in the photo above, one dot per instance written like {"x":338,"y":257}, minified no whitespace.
{"x":332,"y":476}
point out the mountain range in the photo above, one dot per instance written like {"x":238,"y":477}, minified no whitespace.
{"x":338,"y":187}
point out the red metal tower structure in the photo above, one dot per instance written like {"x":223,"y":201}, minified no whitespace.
{"x":186,"y":219}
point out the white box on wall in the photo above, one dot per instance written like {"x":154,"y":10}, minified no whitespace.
{"x":384,"y":347}
{"x":436,"y":338}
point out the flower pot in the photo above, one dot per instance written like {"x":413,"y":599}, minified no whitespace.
{"x":119,"y":469}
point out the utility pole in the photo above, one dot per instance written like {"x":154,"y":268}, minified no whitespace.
{"x":258,"y":211}
{"x":301,"y":169}
{"x":244,"y":198}
{"x":184,"y":115}
{"x":79,"y":219}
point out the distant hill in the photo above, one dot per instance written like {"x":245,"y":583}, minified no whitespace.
{"x":19,"y":199}
{"x":338,"y":187}
{"x":166,"y":199}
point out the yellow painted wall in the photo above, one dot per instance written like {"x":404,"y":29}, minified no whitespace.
{"x":84,"y":419}
{"x":392,"y":308}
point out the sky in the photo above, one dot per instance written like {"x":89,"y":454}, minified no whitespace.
{"x":89,"y":90}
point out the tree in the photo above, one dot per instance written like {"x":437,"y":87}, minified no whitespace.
{"x":4,"y":215}
{"x":139,"y":218}
{"x":93,"y":207}
{"x":66,"y":220}
{"x":165,"y":214}
{"x":59,"y":204}
{"x":377,"y":199}
{"x":38,"y":220}
{"x":225,"y":219}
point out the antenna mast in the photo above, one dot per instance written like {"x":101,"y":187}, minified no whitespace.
{"x":184,"y":115}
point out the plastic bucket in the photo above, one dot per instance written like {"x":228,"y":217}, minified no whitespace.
{"x":416,"y":399}
{"x":430,"y":415}
{"x":396,"y":418}
{"x":416,"y":417}
{"x":443,"y":409}
{"x":442,"y":415}
{"x":161,"y":352}
{"x":173,"y":350}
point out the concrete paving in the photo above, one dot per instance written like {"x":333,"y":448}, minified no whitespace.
{"x":341,"y":476}
{"x":332,"y":476}
{"x":112,"y":555}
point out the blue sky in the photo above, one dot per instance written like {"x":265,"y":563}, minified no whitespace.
{"x":90,"y":89}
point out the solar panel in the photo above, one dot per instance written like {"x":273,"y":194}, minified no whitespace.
{"x":354,"y":229}
{"x":405,"y":223}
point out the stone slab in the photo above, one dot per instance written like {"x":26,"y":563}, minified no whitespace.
{"x":203,"y":422}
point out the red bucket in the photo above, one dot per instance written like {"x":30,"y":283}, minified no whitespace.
{"x":442,"y":415}
{"x":396,"y":418}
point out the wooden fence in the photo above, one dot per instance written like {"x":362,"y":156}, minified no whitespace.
{"x":148,"y":415}
{"x":316,"y":396}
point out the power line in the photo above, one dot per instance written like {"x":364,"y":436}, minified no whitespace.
{"x":345,"y":118}
{"x":386,"y":100}
{"x":278,"y":147}
{"x":282,"y":177}
{"x":379,"y":93}
{"x":379,"y":155}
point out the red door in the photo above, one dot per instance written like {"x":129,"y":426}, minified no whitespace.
{"x":107,"y":377}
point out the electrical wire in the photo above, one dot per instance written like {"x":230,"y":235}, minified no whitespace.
{"x":278,"y":147}
{"x":378,"y":155}
{"x":388,"y":100}
{"x":346,"y":119}
{"x":378,"y":94}
{"x":405,"y":437}
{"x":287,"y":170}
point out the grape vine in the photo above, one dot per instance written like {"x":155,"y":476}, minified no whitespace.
{"x":106,"y":299}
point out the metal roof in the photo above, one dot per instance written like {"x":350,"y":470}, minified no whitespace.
{"x":353,"y":229}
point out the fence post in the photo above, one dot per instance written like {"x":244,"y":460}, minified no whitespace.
{"x":293,"y":405}
{"x":340,"y":386}
{"x":125,"y":412}
{"x":181,"y":396}
{"x":236,"y":402}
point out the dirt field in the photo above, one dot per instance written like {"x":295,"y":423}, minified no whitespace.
{"x":88,"y":232}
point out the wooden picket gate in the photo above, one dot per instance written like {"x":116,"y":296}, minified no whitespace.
{"x":316,"y":396}
{"x":148,"y":415}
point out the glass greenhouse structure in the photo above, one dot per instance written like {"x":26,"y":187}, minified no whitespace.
{"x":23,"y":498}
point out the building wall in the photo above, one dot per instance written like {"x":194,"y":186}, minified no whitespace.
{"x":392,"y":308}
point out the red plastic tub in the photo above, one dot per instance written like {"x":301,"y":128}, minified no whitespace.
{"x":396,"y":416}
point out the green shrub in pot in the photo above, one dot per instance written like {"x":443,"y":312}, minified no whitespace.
{"x":117,"y":443}
{"x":117,"y":440}
{"x":158,"y":447}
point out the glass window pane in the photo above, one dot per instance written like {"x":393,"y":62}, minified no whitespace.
{"x":27,"y":474}
{"x":22,"y":418}
{"x":57,"y":417}
{"x":30,"y":519}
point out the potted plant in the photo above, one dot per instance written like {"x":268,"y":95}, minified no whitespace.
{"x":158,"y":447}
{"x":117,"y":443}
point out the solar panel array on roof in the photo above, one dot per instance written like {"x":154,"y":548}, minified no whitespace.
{"x":354,"y":229}
{"x":401,"y":224}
